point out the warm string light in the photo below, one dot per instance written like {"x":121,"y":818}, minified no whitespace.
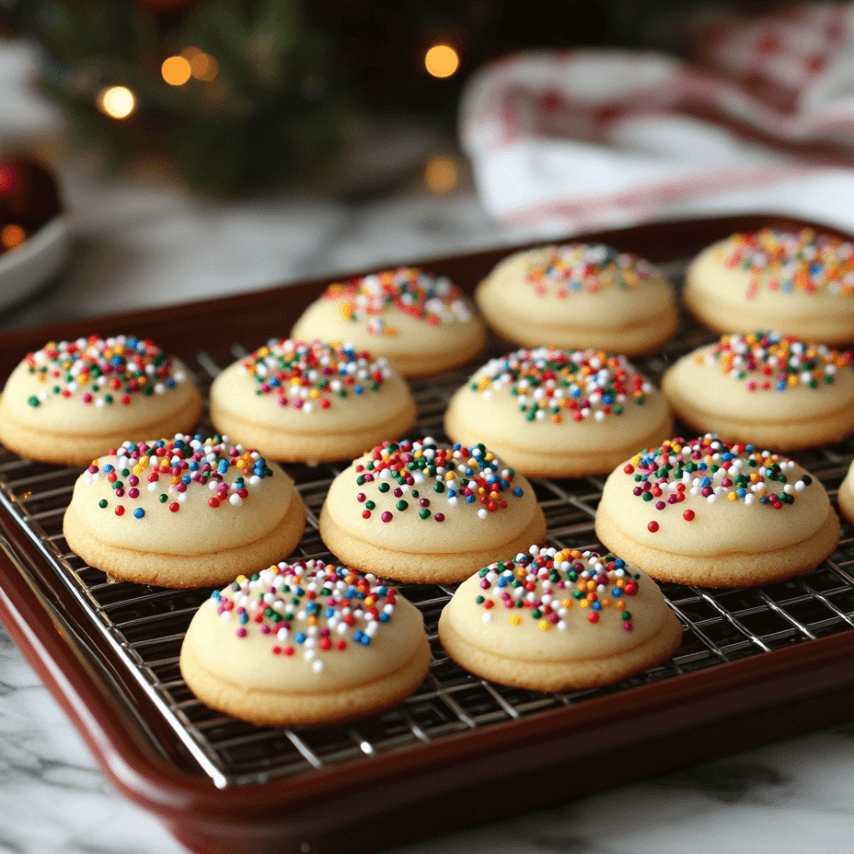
{"x":12,"y":236}
{"x":441,"y":60}
{"x":441,"y":174}
{"x":191,"y":62}
{"x":117,"y":102}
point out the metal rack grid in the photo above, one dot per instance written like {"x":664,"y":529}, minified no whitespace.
{"x":146,"y":624}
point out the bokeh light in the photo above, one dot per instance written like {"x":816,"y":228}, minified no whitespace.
{"x":441,"y":60}
{"x":441,"y":174}
{"x":12,"y":236}
{"x":176,"y":70}
{"x":118,"y":102}
{"x":204,"y":67}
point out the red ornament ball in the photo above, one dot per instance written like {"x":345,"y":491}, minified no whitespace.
{"x":29,"y":194}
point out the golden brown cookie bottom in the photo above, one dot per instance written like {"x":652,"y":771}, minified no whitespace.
{"x":723,"y":316}
{"x":79,"y":449}
{"x":573,"y":674}
{"x":420,"y":567}
{"x":293,"y":446}
{"x":777,"y":434}
{"x":186,"y":571}
{"x":642,"y":335}
{"x":273,"y":708}
{"x":553,"y":462}
{"x":735,"y":569}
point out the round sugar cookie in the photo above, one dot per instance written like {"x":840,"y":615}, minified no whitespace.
{"x":550,"y":620}
{"x":716,"y":514}
{"x":420,"y":512}
{"x":183,"y":513}
{"x":773,"y":390}
{"x":311,"y":402}
{"x":559,"y":413}
{"x":579,"y":295}
{"x":797,"y":281}
{"x":421,"y":323}
{"x":71,"y":400}
{"x":845,"y":495}
{"x":305,"y":643}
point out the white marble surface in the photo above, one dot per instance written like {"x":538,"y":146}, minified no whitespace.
{"x":136,"y":241}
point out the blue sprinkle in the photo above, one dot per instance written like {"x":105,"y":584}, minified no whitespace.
{"x":619,"y":563}
{"x":616,"y":592}
{"x":299,"y":637}
{"x":741,"y":492}
{"x":365,"y":640}
{"x":243,"y":618}
{"x":357,"y":636}
{"x":518,"y":491}
{"x":186,"y":478}
{"x":384,"y":618}
{"x":222,"y":468}
{"x":469,"y":499}
{"x":329,"y":612}
{"x":359,"y":389}
{"x":108,"y":468}
{"x":139,"y":512}
{"x":596,"y":606}
{"x":170,"y":383}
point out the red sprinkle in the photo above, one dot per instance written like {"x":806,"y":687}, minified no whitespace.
{"x":688,"y":515}
{"x":652,"y":527}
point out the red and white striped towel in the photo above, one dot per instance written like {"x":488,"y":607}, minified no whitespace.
{"x":762,"y":117}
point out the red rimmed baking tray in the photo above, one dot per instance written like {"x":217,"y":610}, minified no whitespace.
{"x":755,"y":665}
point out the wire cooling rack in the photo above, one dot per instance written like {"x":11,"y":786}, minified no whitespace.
{"x":145,"y":624}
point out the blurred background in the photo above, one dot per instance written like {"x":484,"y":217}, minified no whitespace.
{"x":205,"y":147}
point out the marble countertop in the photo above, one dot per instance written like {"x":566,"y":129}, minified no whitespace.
{"x":143,"y":243}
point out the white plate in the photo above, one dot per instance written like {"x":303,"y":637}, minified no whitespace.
{"x":41,"y":256}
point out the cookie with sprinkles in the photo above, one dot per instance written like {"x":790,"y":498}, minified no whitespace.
{"x":579,"y":296}
{"x":311,"y":401}
{"x":185,"y":512}
{"x":71,"y":400}
{"x":774,"y":390}
{"x":559,"y":413}
{"x":423,"y":324}
{"x":305,"y":643}
{"x":798,"y":281}
{"x":428,"y":513}
{"x":845,"y":496}
{"x":556,"y":620}
{"x":716,"y":514}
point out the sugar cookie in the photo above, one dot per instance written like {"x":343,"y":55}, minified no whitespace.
{"x":421,"y":323}
{"x":550,"y":620}
{"x":799,"y":282}
{"x":69,"y":401}
{"x":579,"y":295}
{"x":773,"y":390}
{"x":305,"y":643}
{"x":716,"y":514}
{"x":420,"y":512}
{"x":183,"y":513}
{"x":559,"y":413}
{"x":311,"y":402}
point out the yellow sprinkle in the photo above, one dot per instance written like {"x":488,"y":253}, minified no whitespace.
{"x":544,"y":625}
{"x":515,"y":620}
{"x":369,"y":601}
{"x":240,"y":579}
{"x":314,"y":393}
{"x":583,"y":603}
{"x":567,"y":603}
{"x":731,"y":496}
{"x":241,"y":463}
{"x":591,"y":585}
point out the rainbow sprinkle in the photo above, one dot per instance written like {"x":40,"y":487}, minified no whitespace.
{"x":432,"y":299}
{"x":101,"y":372}
{"x":309,"y":607}
{"x":306,"y":376}
{"x":546,"y":583}
{"x":591,"y":267}
{"x":553,"y":384}
{"x":172,"y":468}
{"x":802,"y":261}
{"x":782,"y":361}
{"x":715,"y":470}
{"x":421,"y":477}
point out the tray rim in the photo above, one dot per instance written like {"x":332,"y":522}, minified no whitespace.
{"x":193,"y":806}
